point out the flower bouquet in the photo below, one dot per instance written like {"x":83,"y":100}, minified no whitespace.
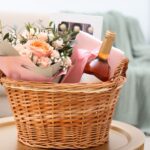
{"x":58,"y":115}
{"x":44,"y":50}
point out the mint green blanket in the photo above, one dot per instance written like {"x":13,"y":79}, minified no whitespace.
{"x":134,"y":103}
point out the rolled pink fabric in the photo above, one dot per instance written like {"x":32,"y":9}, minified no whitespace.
{"x":87,"y":47}
{"x":79,"y":60}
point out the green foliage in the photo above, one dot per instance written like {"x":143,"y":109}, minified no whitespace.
{"x":53,"y":35}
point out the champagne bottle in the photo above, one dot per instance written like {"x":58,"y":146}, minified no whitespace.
{"x":99,"y":66}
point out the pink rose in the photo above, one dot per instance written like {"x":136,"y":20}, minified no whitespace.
{"x":39,"y":48}
{"x":67,"y":62}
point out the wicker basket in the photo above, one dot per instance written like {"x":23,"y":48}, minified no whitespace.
{"x":64,"y":115}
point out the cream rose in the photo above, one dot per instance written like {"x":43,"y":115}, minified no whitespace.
{"x":58,"y":43}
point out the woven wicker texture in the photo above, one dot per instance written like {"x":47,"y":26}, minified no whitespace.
{"x":51,"y":115}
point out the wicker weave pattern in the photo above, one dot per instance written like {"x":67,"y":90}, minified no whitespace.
{"x":64,"y":115}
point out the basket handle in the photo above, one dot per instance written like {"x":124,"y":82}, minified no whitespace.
{"x":120,"y":73}
{"x":1,"y":75}
{"x":122,"y":68}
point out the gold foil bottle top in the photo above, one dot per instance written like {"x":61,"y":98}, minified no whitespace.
{"x":106,"y":45}
{"x":110,"y":34}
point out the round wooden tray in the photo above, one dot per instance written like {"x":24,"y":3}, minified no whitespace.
{"x":122,"y":137}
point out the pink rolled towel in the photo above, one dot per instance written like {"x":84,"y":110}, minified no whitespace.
{"x":87,"y":47}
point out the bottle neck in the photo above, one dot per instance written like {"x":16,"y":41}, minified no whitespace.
{"x":105,"y":48}
{"x":102,"y":60}
{"x":103,"y":56}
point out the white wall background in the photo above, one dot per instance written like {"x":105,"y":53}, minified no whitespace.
{"x":135,"y":8}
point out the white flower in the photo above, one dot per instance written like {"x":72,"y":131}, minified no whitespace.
{"x":90,"y":30}
{"x":42,"y":36}
{"x":55,"y":54}
{"x":23,"y":51}
{"x":13,"y":34}
{"x":18,"y":41}
{"x":51,"y":36}
{"x":62,"y":54}
{"x":55,"y":60}
{"x":32,"y":31}
{"x":37,"y":31}
{"x":67,"y":62}
{"x":76,"y":29}
{"x":63,"y":27}
{"x":58,"y":44}
{"x":25,"y":34}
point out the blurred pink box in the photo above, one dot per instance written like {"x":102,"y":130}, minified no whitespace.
{"x":87,"y":47}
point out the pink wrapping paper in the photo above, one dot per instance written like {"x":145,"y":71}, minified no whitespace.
{"x":12,"y":68}
{"x":86,"y":48}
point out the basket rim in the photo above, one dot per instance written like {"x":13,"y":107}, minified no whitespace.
{"x":64,"y":87}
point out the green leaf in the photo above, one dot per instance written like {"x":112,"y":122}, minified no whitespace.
{"x":10,"y":40}
{"x":6,"y":36}
{"x":28,"y":26}
{"x":23,"y":40}
{"x":56,"y":38}
{"x":51,"y":23}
